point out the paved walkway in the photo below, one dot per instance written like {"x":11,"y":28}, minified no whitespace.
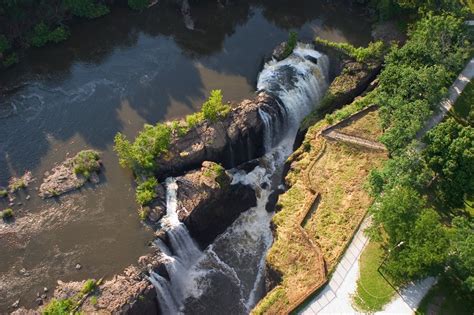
{"x":454,"y":92}
{"x":339,"y":136}
{"x":334,"y":298}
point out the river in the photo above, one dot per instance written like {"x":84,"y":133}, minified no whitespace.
{"x":115,"y":74}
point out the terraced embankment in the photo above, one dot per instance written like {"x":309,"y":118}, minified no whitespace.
{"x":323,"y":207}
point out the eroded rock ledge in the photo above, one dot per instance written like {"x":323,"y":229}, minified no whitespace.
{"x":231,"y":141}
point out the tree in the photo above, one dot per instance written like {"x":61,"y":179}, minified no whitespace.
{"x":462,"y":251}
{"x":424,"y":251}
{"x":450,"y":153}
{"x":396,"y":211}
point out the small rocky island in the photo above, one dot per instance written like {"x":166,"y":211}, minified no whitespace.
{"x":71,"y":174}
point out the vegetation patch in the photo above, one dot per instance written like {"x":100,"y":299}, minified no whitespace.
{"x":138,"y":4}
{"x":86,"y":8}
{"x":86,"y":162}
{"x":373,"y":290}
{"x":71,"y":304}
{"x":290,"y":44}
{"x":3,"y":193}
{"x":43,"y":34}
{"x":146,"y":191}
{"x":17,"y":183}
{"x":6,"y":214}
{"x":374,"y":51}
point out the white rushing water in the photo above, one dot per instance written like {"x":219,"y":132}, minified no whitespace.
{"x":228,"y":276}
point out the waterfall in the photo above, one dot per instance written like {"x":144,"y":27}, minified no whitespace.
{"x":228,"y":276}
{"x":298,"y":81}
{"x":185,"y":254}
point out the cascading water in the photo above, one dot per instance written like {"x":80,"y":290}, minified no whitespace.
{"x":227,"y":277}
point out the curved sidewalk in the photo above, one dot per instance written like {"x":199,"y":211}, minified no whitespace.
{"x":334,"y":299}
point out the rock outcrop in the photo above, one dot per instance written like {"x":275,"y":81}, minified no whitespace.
{"x":71,"y":174}
{"x":208,"y":203}
{"x":231,"y":141}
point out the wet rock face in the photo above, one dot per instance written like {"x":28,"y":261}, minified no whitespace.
{"x":279,"y":52}
{"x":208,"y":203}
{"x":232,"y":141}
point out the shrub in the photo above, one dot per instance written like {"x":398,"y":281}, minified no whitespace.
{"x":291,"y":43}
{"x":4,"y":44}
{"x":17,"y":184}
{"x":373,"y":51}
{"x":7,"y":213}
{"x":213,"y":108}
{"x":146,"y":191}
{"x":144,"y":213}
{"x":42,"y":35}
{"x":138,"y":4}
{"x":88,"y":286}
{"x":86,"y":162}
{"x":93,"y":300}
{"x":10,"y":60}
{"x":58,"y":307}
{"x":86,"y":8}
{"x":194,"y":119}
{"x":3,"y":193}
{"x":141,"y":154}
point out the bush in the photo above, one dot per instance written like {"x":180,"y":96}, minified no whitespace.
{"x":141,"y":154}
{"x":4,"y":44}
{"x":10,"y":60}
{"x":86,"y":162}
{"x":7,"y":213}
{"x":291,"y":43}
{"x":42,"y":35}
{"x":58,"y":307}
{"x":138,"y":4}
{"x":194,"y":119}
{"x":86,"y":8}
{"x":146,"y":191}
{"x":3,"y":193}
{"x":213,"y":108}
{"x":89,"y":286}
{"x":374,"y":51}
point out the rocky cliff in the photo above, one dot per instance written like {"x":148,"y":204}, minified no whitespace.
{"x":231,"y":141}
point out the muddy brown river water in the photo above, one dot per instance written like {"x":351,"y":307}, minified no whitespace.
{"x":115,"y":74}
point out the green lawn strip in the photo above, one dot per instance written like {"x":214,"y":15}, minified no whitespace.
{"x":373,"y":291}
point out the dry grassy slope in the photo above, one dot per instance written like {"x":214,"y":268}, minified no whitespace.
{"x":339,"y":174}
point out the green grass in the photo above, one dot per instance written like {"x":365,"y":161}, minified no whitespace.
{"x":373,"y":291}
{"x":446,"y":297}
{"x":464,"y":104}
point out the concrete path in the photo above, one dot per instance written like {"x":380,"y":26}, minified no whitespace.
{"x":447,"y":104}
{"x":339,"y":136}
{"x":335,"y":297}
